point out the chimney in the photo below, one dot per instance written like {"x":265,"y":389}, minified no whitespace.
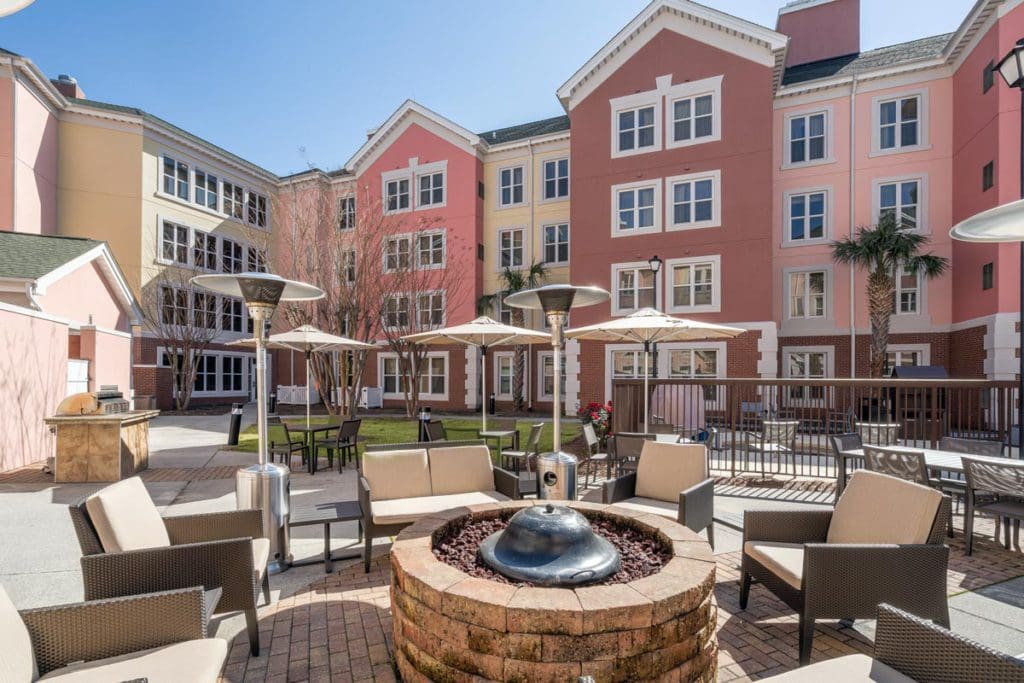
{"x":820,"y":29}
{"x":68,"y":86}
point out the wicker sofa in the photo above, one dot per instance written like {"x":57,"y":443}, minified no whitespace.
{"x":884,"y":542}
{"x":129,"y":549}
{"x":159,"y":637}
{"x":400,"y":483}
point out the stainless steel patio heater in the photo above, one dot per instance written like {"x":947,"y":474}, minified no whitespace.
{"x":556,"y":471}
{"x":263,"y":486}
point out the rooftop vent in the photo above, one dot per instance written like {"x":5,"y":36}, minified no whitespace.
{"x":68,"y":86}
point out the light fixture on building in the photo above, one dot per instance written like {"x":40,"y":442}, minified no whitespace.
{"x":1011,"y":67}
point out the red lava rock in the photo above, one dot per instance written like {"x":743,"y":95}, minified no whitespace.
{"x":642,"y":554}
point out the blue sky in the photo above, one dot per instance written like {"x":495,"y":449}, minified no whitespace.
{"x":289,"y":83}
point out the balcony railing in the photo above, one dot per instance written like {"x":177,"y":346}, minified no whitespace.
{"x":730,"y":409}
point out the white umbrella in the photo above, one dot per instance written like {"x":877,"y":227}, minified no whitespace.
{"x":482,"y":333}
{"x":648,"y":326}
{"x":308,"y":339}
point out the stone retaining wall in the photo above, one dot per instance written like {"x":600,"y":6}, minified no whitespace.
{"x":449,"y":626}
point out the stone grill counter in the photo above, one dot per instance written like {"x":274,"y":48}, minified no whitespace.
{"x":101,"y":448}
{"x":449,"y":626}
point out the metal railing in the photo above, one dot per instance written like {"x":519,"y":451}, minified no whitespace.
{"x":731,"y":413}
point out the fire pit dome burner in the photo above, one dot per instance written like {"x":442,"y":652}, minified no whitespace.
{"x":550,"y":546}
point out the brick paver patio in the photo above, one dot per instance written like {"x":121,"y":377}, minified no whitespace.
{"x":339,"y":627}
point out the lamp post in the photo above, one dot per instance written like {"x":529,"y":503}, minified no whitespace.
{"x":651,"y":350}
{"x":263,"y":486}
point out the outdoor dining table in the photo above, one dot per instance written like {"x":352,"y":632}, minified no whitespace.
{"x":935,"y":459}
{"x":310,"y":432}
{"x":498,"y":435}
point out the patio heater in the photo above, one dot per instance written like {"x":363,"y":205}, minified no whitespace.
{"x":556,"y":471}
{"x":263,"y":486}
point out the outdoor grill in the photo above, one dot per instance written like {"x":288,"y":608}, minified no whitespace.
{"x":106,"y":401}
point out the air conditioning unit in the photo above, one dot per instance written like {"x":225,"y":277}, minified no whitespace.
{"x":371,"y":397}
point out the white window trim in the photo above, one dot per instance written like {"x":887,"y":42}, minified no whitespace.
{"x":431,"y":169}
{"x":543,"y":179}
{"x":410,"y":310}
{"x":716,"y":284}
{"x":922,"y":198}
{"x":544,"y":244}
{"x":495,"y":362}
{"x":222,"y":177}
{"x":924,"y":349}
{"x":342,"y":201}
{"x":444,"y":249}
{"x":423,"y":395}
{"x":787,"y":240}
{"x":662,"y":367}
{"x":923,"y":139}
{"x":651,"y":98}
{"x":829,"y":294}
{"x":830,"y":371}
{"x":922,"y":297}
{"x":189,"y":255}
{"x":541,"y":394}
{"x":643,"y":265}
{"x":526,"y":186}
{"x":415,"y":309}
{"x":498,"y":268}
{"x":716,"y":201}
{"x":656,"y":184}
{"x":412,"y":251}
{"x":706,"y":86}
{"x":219,"y":372}
{"x":829,"y":157}
{"x":392,"y":176}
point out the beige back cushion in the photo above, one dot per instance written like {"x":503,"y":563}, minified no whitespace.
{"x":397,"y":474}
{"x":877,"y":508}
{"x":667,"y":469}
{"x":126,"y":518}
{"x":460,"y":469}
{"x":17,"y":658}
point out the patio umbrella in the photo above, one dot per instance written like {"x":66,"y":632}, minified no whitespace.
{"x":482,"y":333}
{"x":308,"y":339}
{"x":648,"y":326}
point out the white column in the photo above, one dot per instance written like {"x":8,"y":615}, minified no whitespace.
{"x":572,"y":377}
{"x":472,"y":379}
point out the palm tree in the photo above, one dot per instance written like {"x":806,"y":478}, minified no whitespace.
{"x":516,"y":280}
{"x":882,"y":250}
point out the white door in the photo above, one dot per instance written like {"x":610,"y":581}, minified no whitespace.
{"x":78,"y":376}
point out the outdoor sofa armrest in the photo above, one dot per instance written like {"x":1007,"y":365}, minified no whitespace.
{"x":786,"y":526}
{"x":364,"y":499}
{"x":214,"y":526}
{"x":925,"y":652}
{"x":226,"y":564}
{"x":614,"y":490}
{"x":87,"y":631}
{"x":507,"y":483}
{"x":697,"y":505}
{"x":850,"y":580}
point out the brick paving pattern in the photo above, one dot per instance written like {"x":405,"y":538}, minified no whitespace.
{"x":339,"y":627}
{"x":33,"y":474}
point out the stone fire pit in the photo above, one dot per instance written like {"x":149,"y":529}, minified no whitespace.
{"x":450,"y":626}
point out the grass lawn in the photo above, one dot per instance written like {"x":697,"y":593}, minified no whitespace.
{"x":403,"y":430}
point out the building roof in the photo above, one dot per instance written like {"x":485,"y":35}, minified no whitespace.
{"x":880,"y":58}
{"x":556,"y":124}
{"x":24,"y":255}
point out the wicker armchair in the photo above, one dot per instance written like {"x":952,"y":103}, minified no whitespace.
{"x":994,"y":489}
{"x":165,"y":633}
{"x":879,"y":433}
{"x":910,"y":648}
{"x":882,"y":543}
{"x":345,"y":442}
{"x":902,"y":463}
{"x":776,"y":438}
{"x":128,"y":549}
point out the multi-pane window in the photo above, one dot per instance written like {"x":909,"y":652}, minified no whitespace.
{"x":556,"y":243}
{"x":807,"y":138}
{"x":900,"y":201}
{"x":634,"y":288}
{"x":692,"y":363}
{"x":204,"y":250}
{"x":806,"y":365}
{"x":173,"y":306}
{"x":346,"y":213}
{"x":502,"y":312}
{"x":231,"y":373}
{"x":176,"y":178}
{"x":635,"y":128}
{"x":430,"y":310}
{"x":693,"y":284}
{"x":256,"y":209}
{"x":630,"y":364}
{"x":231,"y":314}
{"x":430,"y":250}
{"x":396,"y":311}
{"x":233,"y":199}
{"x":556,"y":179}
{"x":206,"y":190}
{"x":230,"y":256}
{"x":510,"y":248}
{"x":255,"y":261}
{"x":901,"y":358}
{"x":693,"y":118}
{"x":204,"y":310}
{"x":908,"y":292}
{"x":431,"y":189}
{"x":806,"y":216}
{"x":807,"y":294}
{"x":348,"y":266}
{"x":503,"y":370}
{"x":433,"y":375}
{"x":397,"y":253}
{"x":391,"y":376}
{"x":396,"y":195}
{"x":547,"y":386}
{"x":693,"y":201}
{"x":635,"y":208}
{"x":899,"y":122}
{"x":510,"y":186}
{"x":174,"y":243}
{"x":206,"y":373}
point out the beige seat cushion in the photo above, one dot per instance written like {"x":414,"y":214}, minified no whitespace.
{"x":859,"y":668}
{"x":877,"y":508}
{"x":785,"y":560}
{"x":260,"y":555}
{"x":408,"y":510}
{"x":460,"y":469}
{"x":17,"y":658}
{"x":126,"y":518}
{"x":667,"y":469}
{"x":397,"y":474}
{"x":655,"y":507}
{"x":192,"y":660}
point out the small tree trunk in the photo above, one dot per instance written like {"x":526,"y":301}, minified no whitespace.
{"x":881,"y":293}
{"x":518,"y":367}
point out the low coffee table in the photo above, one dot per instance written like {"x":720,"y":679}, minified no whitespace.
{"x":327,"y":514}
